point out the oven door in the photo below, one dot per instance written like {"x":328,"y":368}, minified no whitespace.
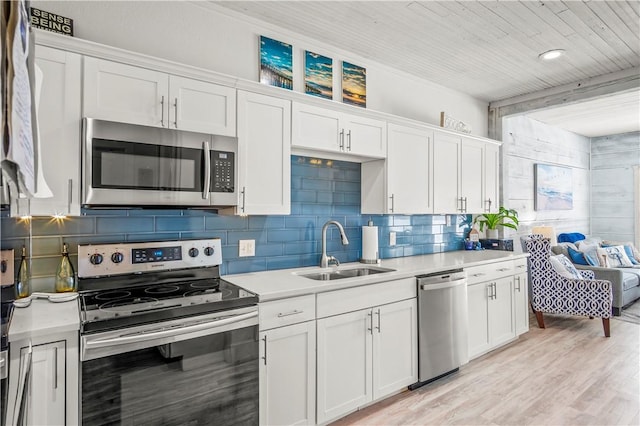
{"x":137,"y":166}
{"x":199,"y":371}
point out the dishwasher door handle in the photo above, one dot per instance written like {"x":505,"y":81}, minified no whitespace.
{"x":446,"y":284}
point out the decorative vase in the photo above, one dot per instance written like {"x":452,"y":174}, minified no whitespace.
{"x":492,"y":234}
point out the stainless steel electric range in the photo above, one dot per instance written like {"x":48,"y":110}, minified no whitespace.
{"x":164,"y":339}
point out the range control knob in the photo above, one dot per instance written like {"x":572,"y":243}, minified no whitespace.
{"x":193,"y":252}
{"x":95,"y":259}
{"x":208,"y":251}
{"x":117,"y":257}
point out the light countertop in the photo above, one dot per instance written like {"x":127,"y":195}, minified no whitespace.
{"x":282,"y":283}
{"x":43,"y":318}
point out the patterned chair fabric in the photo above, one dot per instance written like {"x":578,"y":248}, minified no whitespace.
{"x":555,"y":294}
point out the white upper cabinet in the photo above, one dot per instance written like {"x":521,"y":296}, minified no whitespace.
{"x":129,"y":94}
{"x":465,"y":174}
{"x":321,"y":129}
{"x":404,"y":184}
{"x":264,"y":154}
{"x":446,"y":173}
{"x":59,"y":125}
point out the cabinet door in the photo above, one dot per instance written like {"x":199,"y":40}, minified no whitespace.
{"x":501,"y":320}
{"x":409,"y":170}
{"x":316,"y":128}
{"x":124,"y":93}
{"x":395,"y":347}
{"x":264,"y":151}
{"x":446,"y":173}
{"x":344,"y":363}
{"x":491,"y":181}
{"x":288,"y":375}
{"x":59,"y":124}
{"x":364,"y":136}
{"x":47,"y":388}
{"x":478,"y":299}
{"x":198,"y":106}
{"x":472,"y":175}
{"x":521,"y":301}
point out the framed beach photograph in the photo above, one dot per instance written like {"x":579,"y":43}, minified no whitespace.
{"x":318,"y":75}
{"x":354,"y":85}
{"x":276,"y":63}
{"x":553,"y":187}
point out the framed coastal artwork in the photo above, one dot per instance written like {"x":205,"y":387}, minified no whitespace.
{"x":276,"y":63}
{"x":354,"y":85}
{"x":318,"y":75}
{"x":553,"y":187}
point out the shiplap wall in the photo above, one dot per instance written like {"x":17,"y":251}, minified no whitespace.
{"x":527,"y":142}
{"x":613,"y":208}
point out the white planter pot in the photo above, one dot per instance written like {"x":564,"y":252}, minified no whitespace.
{"x":492,"y":234}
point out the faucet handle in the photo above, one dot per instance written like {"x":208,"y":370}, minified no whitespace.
{"x":332,"y":259}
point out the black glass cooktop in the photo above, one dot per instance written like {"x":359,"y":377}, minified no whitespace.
{"x":117,"y":304}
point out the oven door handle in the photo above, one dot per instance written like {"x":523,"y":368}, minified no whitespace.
{"x":204,"y":327}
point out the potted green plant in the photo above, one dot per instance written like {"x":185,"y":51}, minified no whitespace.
{"x":504,"y":217}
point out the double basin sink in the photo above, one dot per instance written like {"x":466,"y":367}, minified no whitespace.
{"x":339,"y":274}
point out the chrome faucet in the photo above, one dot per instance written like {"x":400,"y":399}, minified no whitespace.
{"x":327,"y":260}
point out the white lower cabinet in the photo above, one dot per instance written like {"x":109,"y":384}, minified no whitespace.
{"x":50,"y":377}
{"x":364,"y":356}
{"x":491,"y":306}
{"x":287,"y":375}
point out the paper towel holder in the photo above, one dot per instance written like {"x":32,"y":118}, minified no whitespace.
{"x":374,"y":242}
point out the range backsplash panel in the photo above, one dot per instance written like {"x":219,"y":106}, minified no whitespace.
{"x":320,"y":190}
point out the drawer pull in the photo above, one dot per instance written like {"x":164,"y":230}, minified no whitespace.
{"x":479,"y":274}
{"x":503,"y":269}
{"x":288,"y":314}
{"x":521,"y":266}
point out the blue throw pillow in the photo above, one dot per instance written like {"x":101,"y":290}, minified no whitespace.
{"x":581,"y":258}
{"x":629,"y":252}
{"x":570,"y":237}
{"x":577,"y":257}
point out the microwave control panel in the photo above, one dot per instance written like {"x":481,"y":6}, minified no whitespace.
{"x":222,"y":171}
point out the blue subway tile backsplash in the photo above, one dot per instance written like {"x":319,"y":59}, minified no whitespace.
{"x":321,"y":190}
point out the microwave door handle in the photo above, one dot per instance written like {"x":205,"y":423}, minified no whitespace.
{"x":206,"y":151}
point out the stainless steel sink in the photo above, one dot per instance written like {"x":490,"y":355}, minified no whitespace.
{"x":346,"y":273}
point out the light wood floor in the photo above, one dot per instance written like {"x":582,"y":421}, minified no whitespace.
{"x":566,"y":374}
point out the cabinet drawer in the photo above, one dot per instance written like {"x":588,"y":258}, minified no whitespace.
{"x":490,"y":271}
{"x":520,"y":265}
{"x":286,"y":311}
{"x":366,"y":296}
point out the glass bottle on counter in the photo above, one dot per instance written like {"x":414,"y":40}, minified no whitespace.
{"x":23,"y":280}
{"x":65,"y":275}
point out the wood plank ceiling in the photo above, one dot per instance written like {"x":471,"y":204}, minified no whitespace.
{"x":488,"y":49}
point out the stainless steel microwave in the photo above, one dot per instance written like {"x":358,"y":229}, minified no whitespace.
{"x":126,"y":165}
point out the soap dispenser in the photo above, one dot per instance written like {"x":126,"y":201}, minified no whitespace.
{"x":65,"y":275}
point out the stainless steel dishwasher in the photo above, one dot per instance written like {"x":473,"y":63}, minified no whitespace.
{"x":442,"y":324}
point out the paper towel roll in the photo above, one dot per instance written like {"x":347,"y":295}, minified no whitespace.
{"x":369,"y":244}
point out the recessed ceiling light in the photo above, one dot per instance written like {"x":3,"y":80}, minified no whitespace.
{"x":551,"y":54}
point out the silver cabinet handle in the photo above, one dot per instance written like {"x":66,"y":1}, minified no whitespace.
{"x":162,"y":112}
{"x":503,"y":269}
{"x":490,"y":291}
{"x":488,"y":203}
{"x":265,"y":350}
{"x":479,"y":274}
{"x":461,"y":201}
{"x":392,"y":203}
{"x":69,"y":196}
{"x":244,"y":194}
{"x":206,"y":187}
{"x":288,"y":314}
{"x":349,"y":141}
{"x":521,"y":266}
{"x":175,"y":112}
{"x":55,"y":368}
{"x":465,"y":204}
{"x":518,"y":288}
{"x":341,"y":143}
{"x":378,"y":313}
{"x":495,"y":291}
{"x":370,"y":328}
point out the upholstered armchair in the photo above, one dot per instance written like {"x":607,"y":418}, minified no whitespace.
{"x":553,"y":293}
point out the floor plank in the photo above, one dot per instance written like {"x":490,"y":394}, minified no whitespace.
{"x":566,"y":374}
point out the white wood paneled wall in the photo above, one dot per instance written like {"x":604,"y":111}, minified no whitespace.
{"x":614,"y":214}
{"x":527,"y":142}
